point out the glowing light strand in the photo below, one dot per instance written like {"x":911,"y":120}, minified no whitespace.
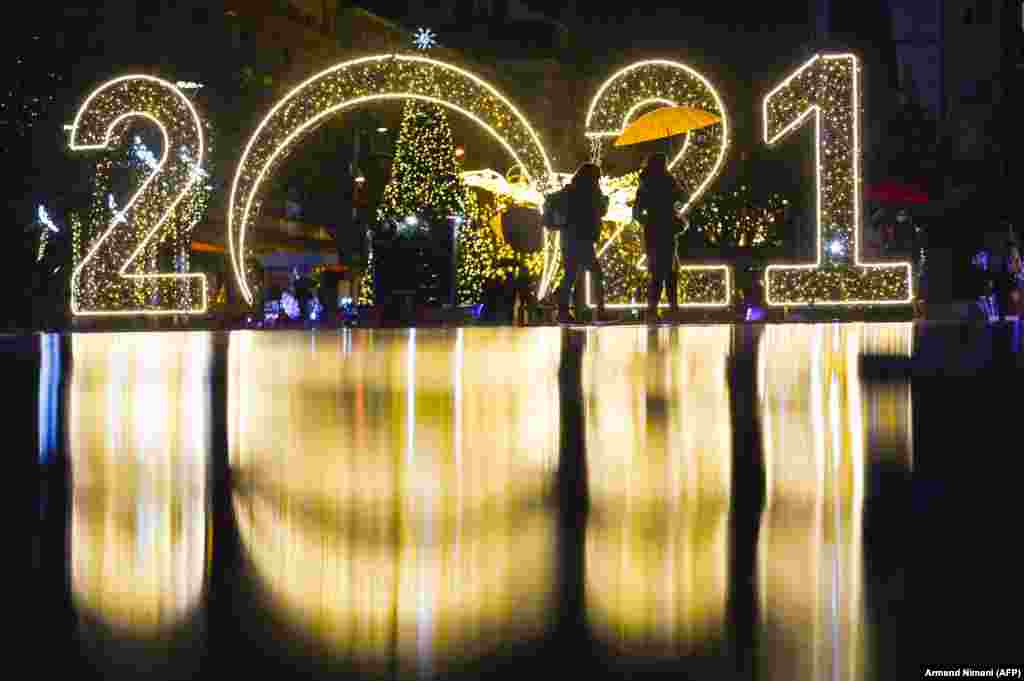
{"x":44,"y":234}
{"x":45,"y":220}
{"x":98,"y":125}
{"x":425,"y":39}
{"x":362,"y":80}
{"x":697,"y":164}
{"x":827,"y":88}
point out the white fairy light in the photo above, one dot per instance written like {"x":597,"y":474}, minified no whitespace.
{"x":44,"y":218}
{"x":119,"y":216}
{"x":425,"y":39}
{"x":197,"y":172}
{"x":837,"y":188}
{"x":364,"y":80}
{"x":667,"y":83}
{"x":143,"y":153}
{"x":100,"y":116}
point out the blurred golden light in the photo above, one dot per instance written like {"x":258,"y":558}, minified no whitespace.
{"x":817,"y":419}
{"x":391,"y":486}
{"x":139,"y":420}
{"x":659,"y":455}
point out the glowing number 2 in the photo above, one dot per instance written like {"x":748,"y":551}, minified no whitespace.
{"x":827,"y":87}
{"x":698,"y":163}
{"x":98,"y":124}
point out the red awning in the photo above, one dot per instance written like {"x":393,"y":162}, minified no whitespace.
{"x":204,"y":247}
{"x":895,"y":192}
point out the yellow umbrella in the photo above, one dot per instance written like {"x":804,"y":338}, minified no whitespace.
{"x":666,"y":122}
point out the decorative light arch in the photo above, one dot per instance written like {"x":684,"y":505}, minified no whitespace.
{"x":697,"y":165}
{"x":389,"y":76}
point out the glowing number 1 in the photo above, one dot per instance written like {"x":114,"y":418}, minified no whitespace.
{"x":827,"y":87}
{"x":98,"y":124}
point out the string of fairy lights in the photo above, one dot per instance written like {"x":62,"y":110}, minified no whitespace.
{"x":621,"y":98}
{"x":117,"y":249}
{"x":171,"y":250}
{"x":483,"y":257}
{"x":827,"y":88}
{"x":121,"y":251}
{"x":736,"y":218}
{"x":425,"y":170}
{"x":372,"y":78}
{"x":427,"y":189}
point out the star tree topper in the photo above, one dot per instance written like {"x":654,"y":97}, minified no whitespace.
{"x":425,"y":39}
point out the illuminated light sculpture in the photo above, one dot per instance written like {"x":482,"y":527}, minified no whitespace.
{"x":424,"y":189}
{"x":425,"y":39}
{"x":621,"y":273}
{"x":45,"y":220}
{"x":827,"y":88}
{"x":698,"y":163}
{"x":363,"y":80}
{"x":44,"y":234}
{"x":151,"y":211}
{"x":496,"y":183}
{"x":624,"y":269}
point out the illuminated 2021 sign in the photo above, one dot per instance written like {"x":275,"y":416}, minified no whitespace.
{"x":827,"y":87}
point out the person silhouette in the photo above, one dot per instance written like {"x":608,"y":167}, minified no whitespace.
{"x":587,"y":206}
{"x":572,"y":489}
{"x":655,"y":210}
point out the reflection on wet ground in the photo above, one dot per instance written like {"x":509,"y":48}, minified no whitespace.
{"x":659,"y":458}
{"x":392,"y":492}
{"x":441,"y":503}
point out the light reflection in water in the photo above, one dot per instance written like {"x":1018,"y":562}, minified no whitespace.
{"x":391,"y":487}
{"x":817,"y":417}
{"x":659,"y":452}
{"x":889,"y":405}
{"x":139,"y":443}
{"x":49,"y":395}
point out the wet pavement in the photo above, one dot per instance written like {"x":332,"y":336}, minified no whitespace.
{"x":705,"y":502}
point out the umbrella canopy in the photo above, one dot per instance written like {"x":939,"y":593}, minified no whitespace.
{"x":895,"y":192}
{"x":666,"y":122}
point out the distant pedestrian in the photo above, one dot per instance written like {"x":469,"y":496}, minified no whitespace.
{"x":587,"y":206}
{"x":983,"y":285}
{"x":1014,"y":281}
{"x":655,"y":210}
{"x":1006,"y":266}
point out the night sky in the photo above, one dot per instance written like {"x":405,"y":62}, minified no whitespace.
{"x":645,"y":21}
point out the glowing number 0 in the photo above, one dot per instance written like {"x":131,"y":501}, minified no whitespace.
{"x":98,"y":125}
{"x":827,"y":87}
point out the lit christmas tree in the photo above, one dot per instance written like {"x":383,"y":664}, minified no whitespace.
{"x":425,"y":180}
{"x":424,"y":198}
{"x":738,"y":218}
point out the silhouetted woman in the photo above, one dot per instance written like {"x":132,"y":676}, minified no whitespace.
{"x":587,"y":206}
{"x":655,"y":210}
